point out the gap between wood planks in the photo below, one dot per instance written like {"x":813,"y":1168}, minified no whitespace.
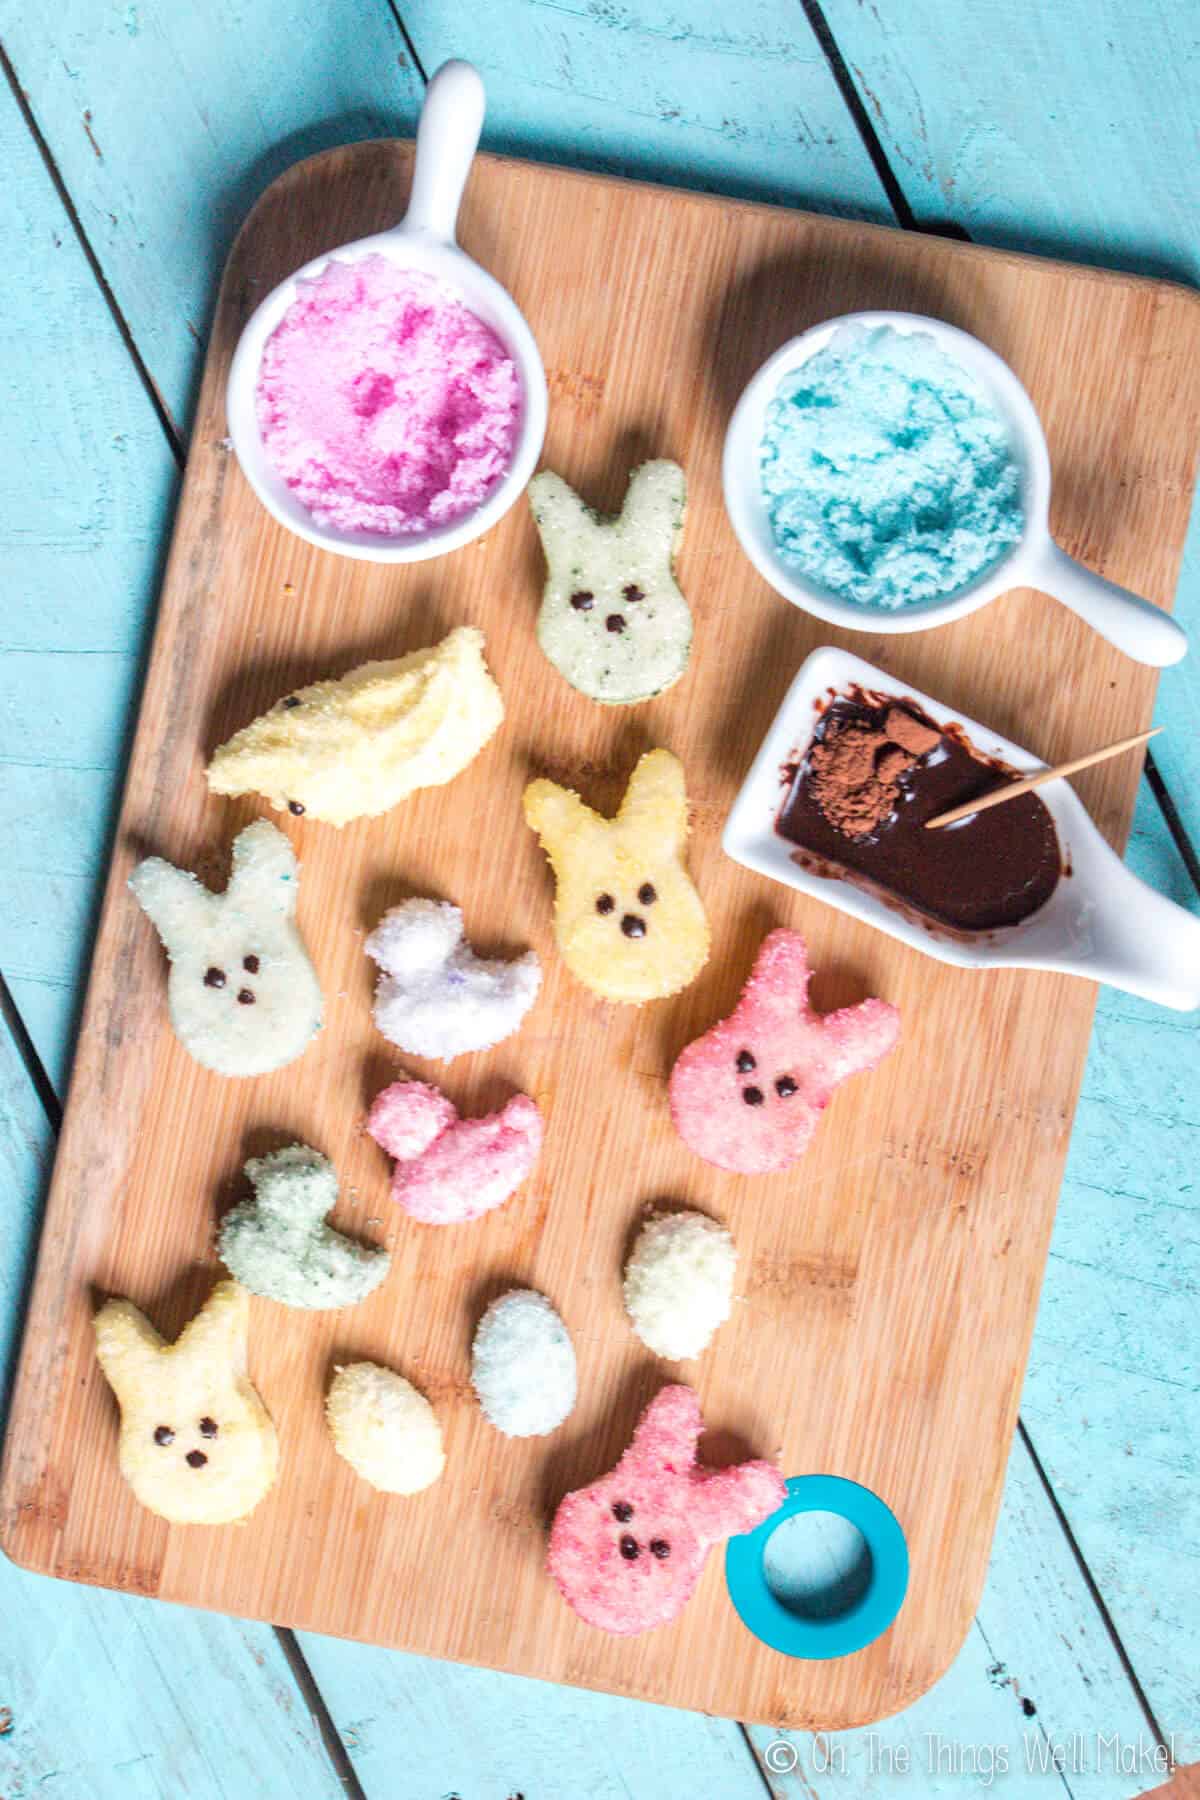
{"x":10,"y":1013}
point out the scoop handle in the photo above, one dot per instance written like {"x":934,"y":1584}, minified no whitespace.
{"x":1142,"y":630}
{"x":447,"y":139}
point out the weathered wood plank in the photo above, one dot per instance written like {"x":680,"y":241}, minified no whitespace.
{"x":416,"y":1728}
{"x":112,"y":1697}
{"x":730,"y":95}
{"x":168,"y":121}
{"x":1069,"y":130}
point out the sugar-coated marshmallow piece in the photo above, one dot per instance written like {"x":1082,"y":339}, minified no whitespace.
{"x":627,"y":1551}
{"x":449,"y":1170}
{"x":435,"y":997}
{"x":748,"y":1095}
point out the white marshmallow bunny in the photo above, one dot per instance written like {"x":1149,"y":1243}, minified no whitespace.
{"x":242,"y":994}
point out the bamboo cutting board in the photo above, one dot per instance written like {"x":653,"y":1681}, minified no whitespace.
{"x":887,"y":1286}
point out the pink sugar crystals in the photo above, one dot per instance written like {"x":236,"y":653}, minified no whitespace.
{"x":384,"y":403}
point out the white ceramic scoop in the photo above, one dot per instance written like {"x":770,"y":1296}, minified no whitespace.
{"x":1100,"y":922}
{"x":1141,"y":630}
{"x":424,"y":240}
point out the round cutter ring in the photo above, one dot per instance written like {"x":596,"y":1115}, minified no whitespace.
{"x":818,"y":1639}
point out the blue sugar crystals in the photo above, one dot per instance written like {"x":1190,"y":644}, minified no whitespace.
{"x":888,"y":476}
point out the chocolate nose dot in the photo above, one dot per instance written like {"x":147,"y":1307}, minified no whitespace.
{"x":605,"y":903}
{"x":752,"y":1096}
{"x":629,"y":1548}
{"x":296,"y":809}
{"x":632,"y":926}
{"x":746,"y":1064}
{"x":659,"y":1547}
{"x":245,"y":997}
{"x":633,"y":593}
{"x":614,"y":622}
{"x":785,"y":1087}
{"x":163,"y":1434}
{"x":208,"y":1428}
{"x":583,"y":601}
{"x":214,"y":978}
{"x":196,"y":1459}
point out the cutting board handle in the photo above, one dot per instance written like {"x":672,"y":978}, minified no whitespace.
{"x":447,"y":139}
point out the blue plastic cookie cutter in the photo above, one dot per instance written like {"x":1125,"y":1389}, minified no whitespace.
{"x":818,"y":1639}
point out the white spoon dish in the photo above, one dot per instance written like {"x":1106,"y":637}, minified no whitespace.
{"x":424,"y":242}
{"x":1133,"y":625}
{"x":1100,"y":921}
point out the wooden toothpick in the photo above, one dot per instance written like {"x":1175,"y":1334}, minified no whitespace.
{"x":1027,"y":786}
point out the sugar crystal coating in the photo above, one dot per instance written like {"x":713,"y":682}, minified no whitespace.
{"x":755,"y":1122}
{"x":679,"y":1282}
{"x":523,"y":1365}
{"x":435,"y":997}
{"x":449,"y":1170}
{"x":385,"y":404}
{"x":888,"y":475}
{"x":385,"y":1429}
{"x":627,"y":1551}
{"x":278,"y":1245}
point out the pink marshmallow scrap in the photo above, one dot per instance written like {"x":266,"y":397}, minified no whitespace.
{"x":449,"y":1170}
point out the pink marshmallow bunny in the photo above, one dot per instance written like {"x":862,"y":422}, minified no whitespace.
{"x":449,"y":1170}
{"x":748,"y":1095}
{"x":627,"y":1551}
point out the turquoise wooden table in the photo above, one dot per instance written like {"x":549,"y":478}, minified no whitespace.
{"x":135,"y":136}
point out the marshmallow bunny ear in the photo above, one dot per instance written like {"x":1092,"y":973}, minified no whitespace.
{"x":556,"y":813}
{"x":127,"y":1345}
{"x":558,"y":511}
{"x":782,"y":962}
{"x":171,"y":898}
{"x":858,"y":1037}
{"x":737,"y":1499}
{"x":655,"y":803}
{"x":217,"y":1335}
{"x":265,"y":870}
{"x":655,"y":504}
{"x":668,"y":1431}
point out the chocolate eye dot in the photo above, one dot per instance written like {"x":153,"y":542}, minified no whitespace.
{"x":583,"y":601}
{"x":752,"y":1096}
{"x":214,"y":978}
{"x":290,"y":702}
{"x":208,"y":1428}
{"x":629,"y":1548}
{"x":633,"y":593}
{"x":622,"y":1511}
{"x":632,"y":926}
{"x":605,"y":903}
{"x":659,"y":1547}
{"x":250,"y":964}
{"x":196,"y":1459}
{"x":245,"y":997}
{"x":746,"y":1064}
{"x":647,"y":893}
{"x":163,"y":1434}
{"x":785,"y":1087}
{"x":296,"y":808}
{"x":614,"y":622}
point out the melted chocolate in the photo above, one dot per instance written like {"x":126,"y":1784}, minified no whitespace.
{"x":990,"y":870}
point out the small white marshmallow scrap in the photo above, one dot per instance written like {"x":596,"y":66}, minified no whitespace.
{"x":679,"y":1283}
{"x":523,"y":1365}
{"x":435,"y":997}
{"x":385,"y":1429}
